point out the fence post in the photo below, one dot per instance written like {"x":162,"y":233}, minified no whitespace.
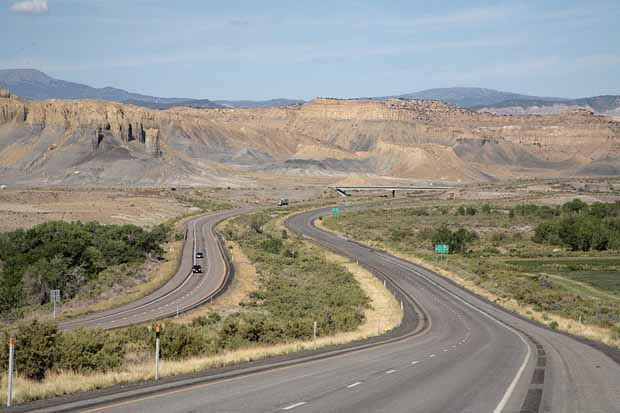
{"x":9,"y":399}
{"x":157,"y":349}
{"x":314,"y":335}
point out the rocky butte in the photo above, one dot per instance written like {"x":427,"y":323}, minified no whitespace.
{"x":104,"y":143}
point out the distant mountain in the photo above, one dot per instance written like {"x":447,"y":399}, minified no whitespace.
{"x":191,"y":103}
{"x":251,"y":104}
{"x":34,"y":84}
{"x":604,"y":105}
{"x":467,"y":97}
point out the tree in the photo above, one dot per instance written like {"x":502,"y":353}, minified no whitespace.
{"x":575,"y":206}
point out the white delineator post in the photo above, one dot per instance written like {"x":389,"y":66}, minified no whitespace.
{"x":314,"y":335}
{"x":9,"y":398}
{"x":157,"y":348}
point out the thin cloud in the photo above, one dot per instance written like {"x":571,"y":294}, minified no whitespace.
{"x":30,"y":7}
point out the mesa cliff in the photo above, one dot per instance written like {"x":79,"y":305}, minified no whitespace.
{"x":98,"y":142}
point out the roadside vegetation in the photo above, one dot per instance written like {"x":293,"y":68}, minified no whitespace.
{"x":557,"y":264}
{"x":293,"y":284}
{"x":69,"y":257}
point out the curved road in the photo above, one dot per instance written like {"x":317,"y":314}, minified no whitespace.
{"x":470,"y":357}
{"x":184,"y":291}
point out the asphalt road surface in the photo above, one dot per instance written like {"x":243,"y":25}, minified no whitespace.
{"x":469,"y":357}
{"x":184,"y":291}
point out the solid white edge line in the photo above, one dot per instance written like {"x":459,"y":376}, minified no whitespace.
{"x":513,"y":384}
{"x":511,"y":388}
{"x":292,"y":406}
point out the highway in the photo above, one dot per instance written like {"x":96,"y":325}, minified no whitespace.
{"x":184,"y":291}
{"x":466,"y":355}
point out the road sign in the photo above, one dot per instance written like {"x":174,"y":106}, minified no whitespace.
{"x":442,"y":249}
{"x":335,"y":211}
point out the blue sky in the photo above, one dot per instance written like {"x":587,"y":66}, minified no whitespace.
{"x":302,"y":49}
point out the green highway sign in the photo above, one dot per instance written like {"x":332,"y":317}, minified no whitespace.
{"x":335,"y":211}
{"x":442,"y":249}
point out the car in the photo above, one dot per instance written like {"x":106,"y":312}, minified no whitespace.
{"x":200,"y":255}
{"x":197,"y":269}
{"x":283,"y":202}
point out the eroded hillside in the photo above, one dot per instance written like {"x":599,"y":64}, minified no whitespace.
{"x":97,"y":142}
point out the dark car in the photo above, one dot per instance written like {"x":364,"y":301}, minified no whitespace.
{"x":197,"y":268}
{"x":200,"y":255}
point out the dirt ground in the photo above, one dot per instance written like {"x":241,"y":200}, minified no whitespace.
{"x":25,"y":208}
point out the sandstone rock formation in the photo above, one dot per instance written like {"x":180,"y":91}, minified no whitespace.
{"x":110,"y":142}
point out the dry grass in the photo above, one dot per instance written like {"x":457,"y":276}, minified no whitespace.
{"x":382,"y":315}
{"x":143,"y":207}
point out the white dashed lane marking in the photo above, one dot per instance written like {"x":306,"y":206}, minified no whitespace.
{"x":292,"y":406}
{"x":390,"y":371}
{"x":357,"y":383}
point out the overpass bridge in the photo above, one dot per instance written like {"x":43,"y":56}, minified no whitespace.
{"x":345,"y":190}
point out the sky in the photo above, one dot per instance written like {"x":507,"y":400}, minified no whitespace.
{"x":304,"y":49}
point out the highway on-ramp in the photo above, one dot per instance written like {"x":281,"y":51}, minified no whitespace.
{"x":468,"y":356}
{"x":184,"y":291}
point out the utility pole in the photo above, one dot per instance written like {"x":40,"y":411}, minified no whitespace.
{"x":9,"y":398}
{"x":157,"y":348}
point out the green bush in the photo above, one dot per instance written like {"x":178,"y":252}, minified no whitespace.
{"x":65,"y":256}
{"x":457,"y":241}
{"x":272,"y":245}
{"x":180,"y":341}
{"x":35,"y":350}
{"x":89,"y":350}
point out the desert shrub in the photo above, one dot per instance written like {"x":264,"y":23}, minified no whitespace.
{"x":35,"y":350}
{"x":272,"y":245}
{"x":398,"y":234}
{"x":425,"y":233}
{"x":180,"y":341}
{"x":210,"y":320}
{"x":456,"y":240}
{"x":89,"y":350}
